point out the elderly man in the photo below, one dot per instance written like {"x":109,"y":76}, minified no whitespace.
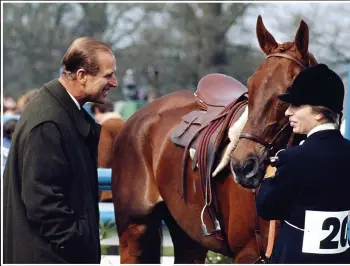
{"x":50,"y":179}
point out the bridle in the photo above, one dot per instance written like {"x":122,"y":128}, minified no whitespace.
{"x":289,"y":57}
{"x":270,"y":145}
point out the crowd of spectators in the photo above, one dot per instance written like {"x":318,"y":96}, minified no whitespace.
{"x":12,"y":110}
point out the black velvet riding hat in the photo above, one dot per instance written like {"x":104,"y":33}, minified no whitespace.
{"x":317,"y":85}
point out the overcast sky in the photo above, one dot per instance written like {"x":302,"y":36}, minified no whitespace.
{"x":322,"y":18}
{"x":276,"y":13}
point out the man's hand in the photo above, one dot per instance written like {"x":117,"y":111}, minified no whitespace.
{"x":270,"y":171}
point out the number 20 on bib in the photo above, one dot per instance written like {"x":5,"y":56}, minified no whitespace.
{"x":326,"y":232}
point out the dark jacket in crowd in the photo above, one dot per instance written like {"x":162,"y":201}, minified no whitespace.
{"x":310,"y":195}
{"x":50,"y":196}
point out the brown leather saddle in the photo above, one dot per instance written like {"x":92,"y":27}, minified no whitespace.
{"x":214,"y":93}
{"x":221,"y":100}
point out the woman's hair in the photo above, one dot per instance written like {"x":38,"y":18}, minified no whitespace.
{"x":331,"y":116}
{"x":82,"y":53}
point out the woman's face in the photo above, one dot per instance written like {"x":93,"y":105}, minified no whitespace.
{"x":302,"y":118}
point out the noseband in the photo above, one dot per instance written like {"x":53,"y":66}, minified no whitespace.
{"x":270,"y":145}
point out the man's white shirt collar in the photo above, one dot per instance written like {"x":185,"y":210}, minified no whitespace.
{"x":75,"y":100}
{"x":325,"y":126}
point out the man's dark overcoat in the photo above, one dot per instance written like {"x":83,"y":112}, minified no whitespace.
{"x":313,"y":177}
{"x":50,"y":196}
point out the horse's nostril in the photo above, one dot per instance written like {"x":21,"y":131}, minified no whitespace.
{"x":251,"y":168}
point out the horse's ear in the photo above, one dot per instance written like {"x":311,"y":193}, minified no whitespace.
{"x":302,"y":38}
{"x":266,"y":41}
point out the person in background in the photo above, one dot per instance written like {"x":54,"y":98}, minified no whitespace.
{"x":7,"y":132}
{"x":25,"y":99}
{"x":9,"y":106}
{"x":309,"y":192}
{"x":130,"y":88}
{"x":51,"y":194}
{"x":103,"y":112}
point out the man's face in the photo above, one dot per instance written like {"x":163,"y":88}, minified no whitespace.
{"x":97,"y":87}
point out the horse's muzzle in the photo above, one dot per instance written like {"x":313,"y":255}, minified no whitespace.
{"x":247,"y":174}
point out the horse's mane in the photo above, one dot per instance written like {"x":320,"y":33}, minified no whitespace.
{"x":312,"y":59}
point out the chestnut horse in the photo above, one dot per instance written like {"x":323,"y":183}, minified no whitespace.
{"x":110,"y":128}
{"x":146,"y":170}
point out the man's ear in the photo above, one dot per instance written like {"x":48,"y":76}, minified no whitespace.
{"x":81,"y":75}
{"x":319,"y":116}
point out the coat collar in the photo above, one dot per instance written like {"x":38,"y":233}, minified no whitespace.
{"x":320,"y":128}
{"x":324,"y":134}
{"x":81,"y":119}
{"x":326,"y":126}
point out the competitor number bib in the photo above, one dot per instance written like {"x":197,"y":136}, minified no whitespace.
{"x":326,"y":232}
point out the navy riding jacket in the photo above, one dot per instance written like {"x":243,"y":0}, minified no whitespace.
{"x":310,"y":195}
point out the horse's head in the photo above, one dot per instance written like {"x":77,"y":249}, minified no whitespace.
{"x":267,"y":129}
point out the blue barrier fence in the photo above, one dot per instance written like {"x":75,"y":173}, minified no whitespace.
{"x":106,"y":211}
{"x":104,"y":183}
{"x":104,"y":178}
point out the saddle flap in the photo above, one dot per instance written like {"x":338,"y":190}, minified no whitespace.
{"x":201,"y":117}
{"x":191,"y":123}
{"x":219,"y":90}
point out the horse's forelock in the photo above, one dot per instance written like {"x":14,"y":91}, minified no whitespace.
{"x":285,"y":46}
